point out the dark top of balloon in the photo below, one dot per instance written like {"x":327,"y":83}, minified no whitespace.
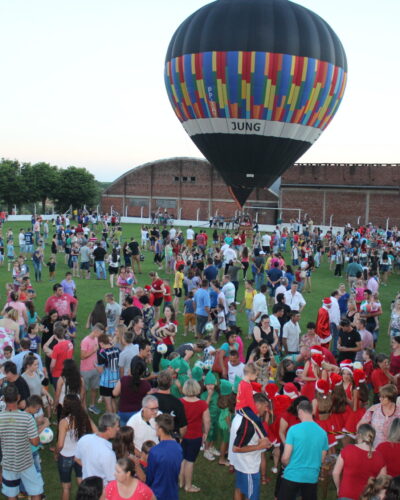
{"x":277,"y":26}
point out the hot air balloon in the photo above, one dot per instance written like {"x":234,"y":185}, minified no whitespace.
{"x":254,"y":83}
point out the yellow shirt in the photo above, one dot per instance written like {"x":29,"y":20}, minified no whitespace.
{"x":178,"y":283}
{"x":248,"y":298}
{"x":268,"y":264}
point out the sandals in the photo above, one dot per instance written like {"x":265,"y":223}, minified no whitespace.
{"x":192,"y":489}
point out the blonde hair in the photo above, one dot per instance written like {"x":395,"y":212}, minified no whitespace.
{"x":375,"y":486}
{"x":366,"y":434}
{"x":12,"y":314}
{"x":191,"y":388}
{"x":250,"y":368}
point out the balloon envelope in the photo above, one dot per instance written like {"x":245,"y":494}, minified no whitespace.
{"x":254,"y":83}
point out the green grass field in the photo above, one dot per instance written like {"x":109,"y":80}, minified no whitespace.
{"x":215,"y":481}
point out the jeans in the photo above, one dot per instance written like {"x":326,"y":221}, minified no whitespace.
{"x":101,"y":269}
{"x":37,"y":266}
{"x":249,"y":314}
{"x":258,"y":280}
{"x":124,"y":416}
{"x":200,"y":324}
{"x":335,"y":334}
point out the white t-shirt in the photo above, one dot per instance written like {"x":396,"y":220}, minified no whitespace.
{"x":229,"y":291}
{"x":97,"y":457}
{"x":274,"y":323}
{"x":21,"y":239}
{"x":221,"y":320}
{"x":172,"y":234}
{"x":143,"y":431}
{"x":291,"y":332}
{"x":259,"y":305}
{"x":296,"y":301}
{"x":189,"y":234}
{"x":247,"y":463}
{"x":235,"y":370}
{"x":229,"y":254}
{"x":265,"y":240}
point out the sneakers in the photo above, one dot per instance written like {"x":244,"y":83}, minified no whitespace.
{"x":209,"y":456}
{"x":94,"y":409}
{"x":215,"y":452}
{"x":274,"y":470}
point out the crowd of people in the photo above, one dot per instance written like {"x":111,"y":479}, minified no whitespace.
{"x":182,"y":366}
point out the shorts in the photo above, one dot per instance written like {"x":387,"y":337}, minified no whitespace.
{"x":191,"y":448}
{"x":32,"y":479}
{"x":113,"y":270}
{"x":190,"y":319}
{"x":22,"y":248}
{"x":178,"y":292}
{"x":248,"y":484}
{"x":74,"y":258}
{"x":85,"y":266}
{"x":106,"y":391}
{"x":158,"y":301}
{"x":91,"y":379}
{"x":65,"y":467}
{"x":28,"y":248}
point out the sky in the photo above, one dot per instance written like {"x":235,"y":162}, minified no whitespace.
{"x":82,"y":83}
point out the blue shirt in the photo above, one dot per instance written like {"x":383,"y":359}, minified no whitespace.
{"x":213,"y":298}
{"x":18,"y":359}
{"x":163,"y":468}
{"x":211,"y":272}
{"x":189,"y":306}
{"x":202,"y":300}
{"x":308,"y":440}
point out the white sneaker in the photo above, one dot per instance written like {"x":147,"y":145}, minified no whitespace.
{"x":274,"y":470}
{"x":215,"y":452}
{"x":209,"y":456}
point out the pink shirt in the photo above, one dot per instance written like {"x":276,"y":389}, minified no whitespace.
{"x":20,"y":307}
{"x":240,"y":349}
{"x":61,"y":304}
{"x":87,"y":345}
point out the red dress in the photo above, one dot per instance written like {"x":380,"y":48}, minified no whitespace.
{"x":352,"y":419}
{"x":280,"y":405}
{"x":391,"y":455}
{"x":329,"y":427}
{"x":308,"y":389}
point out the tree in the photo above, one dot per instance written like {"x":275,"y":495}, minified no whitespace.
{"x":13,"y":189}
{"x":76,"y":187}
{"x":43,"y":180}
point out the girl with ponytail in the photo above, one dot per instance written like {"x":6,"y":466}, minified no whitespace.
{"x":357,"y":463}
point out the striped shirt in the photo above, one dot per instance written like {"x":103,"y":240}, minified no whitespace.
{"x":16,"y":430}
{"x":108,"y":358}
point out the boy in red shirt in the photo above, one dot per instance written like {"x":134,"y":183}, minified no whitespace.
{"x":64,"y":349}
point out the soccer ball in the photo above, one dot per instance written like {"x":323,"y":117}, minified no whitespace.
{"x":129,"y":281}
{"x":365,"y":307}
{"x":46,"y":436}
{"x":162,"y":348}
{"x":208,"y":364}
{"x":199,"y":364}
{"x":208,"y":328}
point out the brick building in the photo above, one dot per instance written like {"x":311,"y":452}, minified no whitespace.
{"x":349,"y":192}
{"x":192,"y":189}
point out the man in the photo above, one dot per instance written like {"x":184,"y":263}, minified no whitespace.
{"x":90,"y":375}
{"x":143,"y":422}
{"x":142,"y":358}
{"x":18,"y":359}
{"x":130,"y":312}
{"x":235,"y":366}
{"x":275,"y":320}
{"x":291,"y":334}
{"x":113,"y":312}
{"x":158,"y":290}
{"x":202,"y":301}
{"x":274,"y":276}
{"x":228,"y":289}
{"x":64,"y":349}
{"x":164,"y":462}
{"x":353,"y":268}
{"x":94,"y":451}
{"x":18,"y":433}
{"x":99,"y":254}
{"x":63,"y":303}
{"x":135,"y":254}
{"x":258,"y":272}
{"x":322,"y":327}
{"x":245,"y":450}
{"x":334,"y":319}
{"x":13,"y":378}
{"x":266,"y":243}
{"x":169,"y":403}
{"x":294,"y":299}
{"x":339,"y":260}
{"x":233,"y":273}
{"x":129,"y":351}
{"x":188,"y":349}
{"x":260,"y":304}
{"x":210,"y":271}
{"x":189,"y":237}
{"x":281,"y":288}
{"x":305,"y":449}
{"x":85,"y":252}
{"x":349,"y":341}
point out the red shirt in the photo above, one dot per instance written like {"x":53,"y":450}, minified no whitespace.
{"x":157,"y":285}
{"x":391,"y":455}
{"x":61,"y":304}
{"x":167,"y":340}
{"x":167,"y":294}
{"x":355,"y":478}
{"x":368,"y":368}
{"x":61,"y":351}
{"x":378,"y":379}
{"x":194,"y":415}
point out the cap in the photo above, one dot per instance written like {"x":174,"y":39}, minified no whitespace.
{"x":317,"y":349}
{"x":359,"y":377}
{"x":271,"y":390}
{"x":347,"y":364}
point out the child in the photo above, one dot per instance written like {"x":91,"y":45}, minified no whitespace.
{"x":210,"y":395}
{"x":208,"y":353}
{"x":10,"y":254}
{"x":107,"y":366}
{"x":232,"y":314}
{"x":190,"y":318}
{"x":221,"y":322}
{"x":245,"y":405}
{"x":52,"y":269}
{"x":235,"y":367}
{"x":34,"y":337}
{"x":70,"y":328}
{"x":31,"y":313}
{"x":368,"y":356}
{"x":34,"y":407}
{"x":8,"y":353}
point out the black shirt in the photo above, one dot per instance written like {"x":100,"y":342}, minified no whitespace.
{"x":348,"y":339}
{"x":137,"y":360}
{"x":170,"y":404}
{"x":99,"y":254}
{"x":134,"y":247}
{"x":22,"y":386}
{"x":129,"y":313}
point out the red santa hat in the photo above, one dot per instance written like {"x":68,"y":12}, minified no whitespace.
{"x":327,"y":300}
{"x":316,"y":349}
{"x":147,"y":287}
{"x":347,"y":364}
{"x":289,"y":389}
{"x":335,"y":379}
{"x":281,"y":403}
{"x":271,"y":390}
{"x":256,"y":387}
{"x":359,"y":377}
{"x":317,"y":359}
{"x":322,"y":386}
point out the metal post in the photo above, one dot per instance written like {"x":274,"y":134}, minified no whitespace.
{"x":126,"y":211}
{"x":141,"y":212}
{"x":197,"y":215}
{"x":330,"y":220}
{"x":387,"y":224}
{"x":257,"y":217}
{"x":180,"y":213}
{"x":358,"y":220}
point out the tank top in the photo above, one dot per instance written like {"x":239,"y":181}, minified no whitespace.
{"x":70,"y":443}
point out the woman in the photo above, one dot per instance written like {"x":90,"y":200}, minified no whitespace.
{"x":124,"y":283}
{"x":394,"y":360}
{"x":70,"y":382}
{"x":37,"y":258}
{"x":247,"y":305}
{"x":98,"y":315}
{"x":393,"y":490}
{"x":381,"y":415}
{"x":54,"y":249}
{"x":390,"y":449}
{"x":122,"y":444}
{"x":74,"y":424}
{"x":263,"y":358}
{"x":113,"y":265}
{"x":126,"y":252}
{"x":351,"y":479}
{"x":244,"y":259}
{"x":384,"y":266}
{"x":126,"y":486}
{"x":198,"y":426}
{"x":352,"y":313}
{"x":164,"y":332}
{"x":48,"y":332}
{"x":376,"y":488}
{"x":262,"y":331}
{"x":9,"y":323}
{"x":33,"y":378}
{"x":131,"y":389}
{"x":381,"y":375}
{"x":20,"y":307}
{"x":394,"y":323}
